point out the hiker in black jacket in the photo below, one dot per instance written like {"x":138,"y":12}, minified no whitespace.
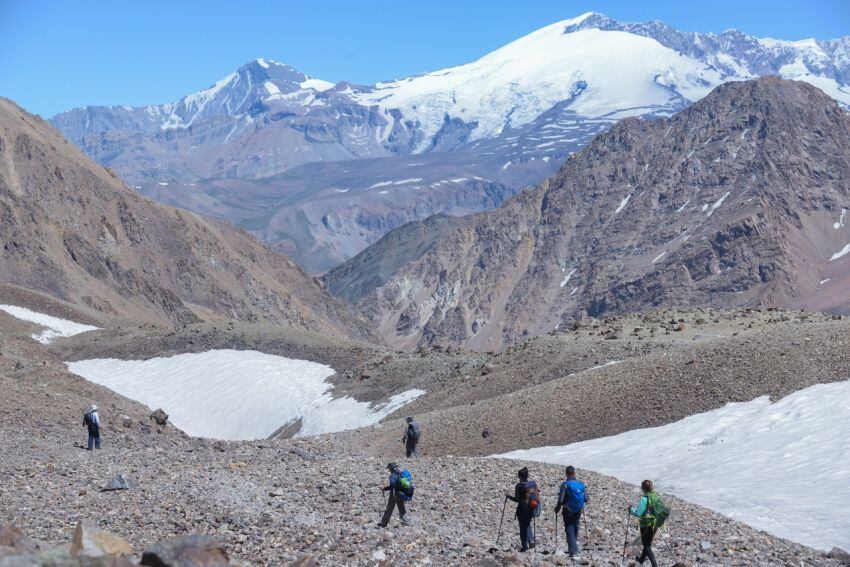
{"x":411,"y":438}
{"x":527,"y":497}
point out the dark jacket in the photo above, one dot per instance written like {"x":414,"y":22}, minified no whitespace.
{"x":522,"y":509}
{"x":563,"y":499}
{"x":92,"y":421}
{"x":411,"y":436}
{"x":395,"y":477}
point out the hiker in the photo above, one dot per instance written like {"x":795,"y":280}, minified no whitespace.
{"x":644,"y":512}
{"x":527,"y":496}
{"x":572,"y":498}
{"x":401,"y":491}
{"x":92,"y":421}
{"x":411,"y":437}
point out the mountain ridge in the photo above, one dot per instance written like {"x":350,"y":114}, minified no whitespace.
{"x":733,"y":201}
{"x":72,"y":229}
{"x":312,"y":151}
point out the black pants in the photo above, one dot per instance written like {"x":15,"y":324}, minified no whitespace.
{"x":392,"y":502}
{"x":410,"y":448}
{"x":526,"y":532}
{"x":647,"y":533}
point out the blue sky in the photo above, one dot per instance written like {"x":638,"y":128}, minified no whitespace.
{"x":60,"y":54}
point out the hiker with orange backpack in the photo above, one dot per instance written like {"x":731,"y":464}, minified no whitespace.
{"x":527,"y":496}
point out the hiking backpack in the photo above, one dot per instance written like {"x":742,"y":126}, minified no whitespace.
{"x":531,"y":498}
{"x":574,"y":495}
{"x":416,"y":433}
{"x":405,"y":485}
{"x":657,"y":509}
{"x":89,"y":422}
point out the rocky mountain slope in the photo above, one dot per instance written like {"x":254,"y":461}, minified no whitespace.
{"x":280,"y":501}
{"x":71,"y":229}
{"x":739,"y":199}
{"x":513,"y":116}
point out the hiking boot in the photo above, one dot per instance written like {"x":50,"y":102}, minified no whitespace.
{"x":405,"y":521}
{"x":381,"y":525}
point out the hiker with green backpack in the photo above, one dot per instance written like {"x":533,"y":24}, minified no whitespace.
{"x":400,"y":490}
{"x":527,"y":496}
{"x":651,"y":513}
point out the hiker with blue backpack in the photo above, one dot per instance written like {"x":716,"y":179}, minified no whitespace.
{"x":527,"y":496}
{"x":400,"y":490}
{"x":411,"y":437}
{"x":572,"y":498}
{"x":651,"y":513}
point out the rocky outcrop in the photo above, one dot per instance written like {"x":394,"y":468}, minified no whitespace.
{"x":733,"y":201}
{"x":71,"y":229}
{"x":191,"y":550}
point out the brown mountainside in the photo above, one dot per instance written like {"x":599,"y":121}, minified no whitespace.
{"x":70,"y":228}
{"x":740,"y":199}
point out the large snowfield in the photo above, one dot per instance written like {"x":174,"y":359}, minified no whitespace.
{"x":238,"y":395}
{"x":782,"y":467}
{"x":54,"y":326}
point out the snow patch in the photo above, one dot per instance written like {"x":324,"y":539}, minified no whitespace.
{"x":804,"y":434}
{"x":567,"y":278}
{"x":316,"y":85}
{"x":623,"y":203}
{"x":659,"y":257}
{"x":841,"y":218}
{"x":717,"y":204}
{"x":54,"y":326}
{"x":609,"y":363}
{"x":238,"y":395}
{"x":843,"y":252}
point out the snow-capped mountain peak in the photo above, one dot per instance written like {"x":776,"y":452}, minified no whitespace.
{"x":259,"y":80}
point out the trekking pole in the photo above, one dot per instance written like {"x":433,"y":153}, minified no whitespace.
{"x":626,"y":541}
{"x":585,"y":522}
{"x":533,"y":541}
{"x":556,"y":533}
{"x":670,"y":549}
{"x":502,"y":520}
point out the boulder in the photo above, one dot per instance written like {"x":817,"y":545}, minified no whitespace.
{"x":186,"y":551}
{"x":14,"y":541}
{"x":120,"y":482}
{"x":613,"y":334}
{"x":91,"y":541}
{"x":160,"y":417}
{"x":126,"y":421}
{"x":306,"y":561}
{"x":840,"y":555}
